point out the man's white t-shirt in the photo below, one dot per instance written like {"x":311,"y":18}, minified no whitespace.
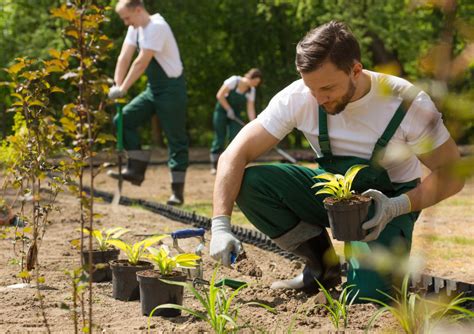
{"x":233,"y":81}
{"x":355,"y":130}
{"x":157,"y":36}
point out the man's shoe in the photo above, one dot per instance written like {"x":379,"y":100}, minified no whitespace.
{"x":322,"y":264}
{"x":177,"y":197}
{"x":134,"y":172}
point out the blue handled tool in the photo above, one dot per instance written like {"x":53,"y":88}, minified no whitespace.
{"x":191,"y":233}
{"x":234,"y":257}
{"x":188,"y":233}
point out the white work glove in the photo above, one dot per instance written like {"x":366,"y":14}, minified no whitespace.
{"x":223,"y":242}
{"x":116,"y":93}
{"x":230,"y":113}
{"x":385,"y":210}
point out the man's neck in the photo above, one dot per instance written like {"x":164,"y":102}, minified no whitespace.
{"x":362,"y":86}
{"x":144,"y":19}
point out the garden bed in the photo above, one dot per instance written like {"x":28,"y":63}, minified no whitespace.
{"x":440,"y":225}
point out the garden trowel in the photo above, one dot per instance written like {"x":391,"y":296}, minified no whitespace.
{"x":118,"y":191}
{"x":276,"y":148}
{"x":191,"y":233}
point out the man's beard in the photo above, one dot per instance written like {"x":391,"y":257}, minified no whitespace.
{"x":344,"y":101}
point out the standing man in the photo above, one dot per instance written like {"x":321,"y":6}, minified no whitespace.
{"x":236,"y":95}
{"x":349,"y":116}
{"x":164,"y":95}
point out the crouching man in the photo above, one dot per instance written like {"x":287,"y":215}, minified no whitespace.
{"x":350,"y":116}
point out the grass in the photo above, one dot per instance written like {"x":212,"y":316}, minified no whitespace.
{"x":205,"y":209}
{"x":457,"y":240}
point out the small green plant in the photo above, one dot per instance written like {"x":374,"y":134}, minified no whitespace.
{"x":166,"y":264}
{"x":135,"y":251}
{"x":416,"y":314}
{"x":219,"y":312}
{"x":103,"y":237}
{"x":337,"y":185}
{"x":338,"y":308}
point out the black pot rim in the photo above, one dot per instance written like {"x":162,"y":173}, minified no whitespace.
{"x":110,"y":250}
{"x":125,"y":263}
{"x":170,"y":277}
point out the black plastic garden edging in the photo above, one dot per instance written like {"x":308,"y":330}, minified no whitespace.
{"x":432,"y":284}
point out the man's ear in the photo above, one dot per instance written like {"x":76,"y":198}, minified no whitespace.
{"x":357,"y":70}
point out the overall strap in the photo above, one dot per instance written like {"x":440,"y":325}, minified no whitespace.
{"x":324,"y":143}
{"x":389,"y":132}
{"x":407,"y":99}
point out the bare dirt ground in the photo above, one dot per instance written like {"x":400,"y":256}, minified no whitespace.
{"x":444,"y":235}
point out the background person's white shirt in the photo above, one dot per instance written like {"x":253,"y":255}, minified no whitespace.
{"x":357,"y":128}
{"x":232,"y":82}
{"x":157,"y":36}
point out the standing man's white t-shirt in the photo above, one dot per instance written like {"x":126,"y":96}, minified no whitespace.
{"x":232,"y":83}
{"x":355,"y":130}
{"x":157,"y":36}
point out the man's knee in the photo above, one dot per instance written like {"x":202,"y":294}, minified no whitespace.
{"x":252,"y":180}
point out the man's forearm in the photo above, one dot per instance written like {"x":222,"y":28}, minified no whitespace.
{"x":227,"y":185}
{"x":224,"y":103}
{"x":135,"y":72}
{"x":437,"y":186}
{"x":120,"y":71}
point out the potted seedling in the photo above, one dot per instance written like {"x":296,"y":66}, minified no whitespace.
{"x":104,"y":253}
{"x":124,"y":272}
{"x":153,"y":291}
{"x":346,"y":210}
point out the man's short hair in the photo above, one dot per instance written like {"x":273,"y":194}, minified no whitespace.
{"x":332,"y":42}
{"x":254,"y":73}
{"x":130,"y":4}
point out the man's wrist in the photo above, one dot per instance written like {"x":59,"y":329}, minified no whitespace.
{"x":402,"y":204}
{"x":221,"y":223}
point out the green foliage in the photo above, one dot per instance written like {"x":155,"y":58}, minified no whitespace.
{"x":338,"y":308}
{"x":416,"y":314}
{"x":135,"y":251}
{"x":336,"y":185}
{"x":103,"y":237}
{"x":166,"y":263}
{"x":27,"y":153}
{"x":219,"y":312}
{"x":401,"y":37}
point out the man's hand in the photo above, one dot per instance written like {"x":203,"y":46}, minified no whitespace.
{"x":230,"y":113}
{"x":116,"y":93}
{"x":385,"y":210}
{"x":223,"y":242}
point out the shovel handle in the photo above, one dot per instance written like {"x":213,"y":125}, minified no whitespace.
{"x":119,"y":127}
{"x":188,"y":233}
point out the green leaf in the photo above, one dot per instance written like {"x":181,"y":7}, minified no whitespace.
{"x":56,"y":89}
{"x":15,"y":68}
{"x":37,"y":103}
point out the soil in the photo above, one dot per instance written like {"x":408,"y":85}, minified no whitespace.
{"x":156,"y":274}
{"x":297,"y":311}
{"x":354,"y":200}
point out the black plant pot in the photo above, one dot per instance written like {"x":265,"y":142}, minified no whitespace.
{"x":124,"y":279}
{"x":154,"y":292}
{"x":100,"y":261}
{"x":346,"y":217}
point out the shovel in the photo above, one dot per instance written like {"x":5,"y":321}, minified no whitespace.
{"x":118,"y":191}
{"x":276,"y":148}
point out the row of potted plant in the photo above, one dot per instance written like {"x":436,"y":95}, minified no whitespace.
{"x":134,"y":278}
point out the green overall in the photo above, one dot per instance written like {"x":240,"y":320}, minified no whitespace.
{"x":167,"y":98}
{"x":224,"y":126}
{"x":275,"y":198}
